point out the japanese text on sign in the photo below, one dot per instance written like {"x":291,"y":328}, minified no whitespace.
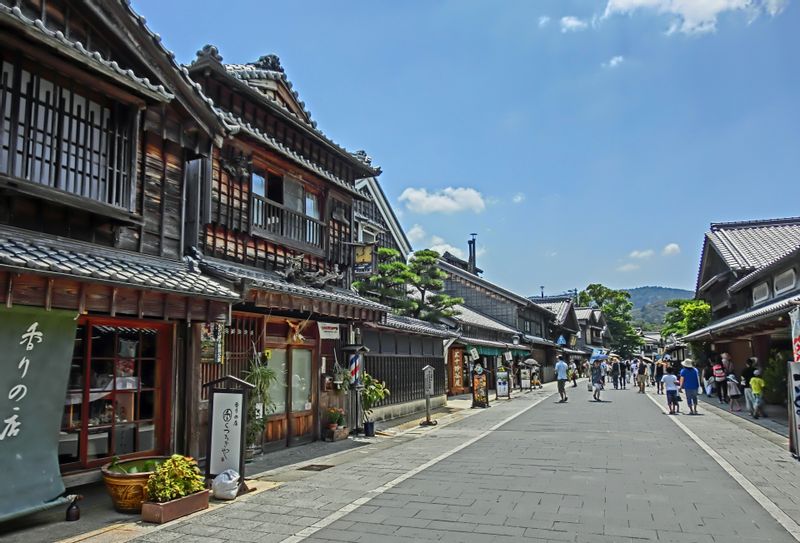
{"x":30,"y":339}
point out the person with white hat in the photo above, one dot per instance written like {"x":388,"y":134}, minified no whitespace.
{"x":690,"y":384}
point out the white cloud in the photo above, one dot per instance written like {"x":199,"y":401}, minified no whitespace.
{"x":629,"y":267}
{"x":518,"y":198}
{"x":573,"y":24}
{"x":449,"y":200}
{"x":441,"y":246}
{"x":614,"y":62}
{"x":671,"y":249}
{"x":416,"y":233}
{"x":647,"y":253}
{"x":696,"y":16}
{"x":544,"y":20}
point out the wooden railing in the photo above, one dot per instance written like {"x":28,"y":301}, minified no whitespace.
{"x":273,"y":220}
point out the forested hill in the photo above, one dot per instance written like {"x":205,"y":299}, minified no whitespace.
{"x":649,"y":304}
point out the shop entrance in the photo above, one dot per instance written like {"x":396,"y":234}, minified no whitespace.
{"x":292,"y":419}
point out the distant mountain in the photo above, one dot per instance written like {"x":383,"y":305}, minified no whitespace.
{"x":649,"y":304}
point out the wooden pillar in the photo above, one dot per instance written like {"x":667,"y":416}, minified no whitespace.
{"x":194,"y":438}
{"x":760,"y":348}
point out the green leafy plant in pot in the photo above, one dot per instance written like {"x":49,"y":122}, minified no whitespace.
{"x":262,"y":378}
{"x":175,"y":489}
{"x":372,"y":394}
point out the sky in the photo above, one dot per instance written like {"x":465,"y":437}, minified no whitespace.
{"x":583,"y":141}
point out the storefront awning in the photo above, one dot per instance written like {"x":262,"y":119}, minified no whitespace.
{"x":492,"y":348}
{"x":731,"y":324}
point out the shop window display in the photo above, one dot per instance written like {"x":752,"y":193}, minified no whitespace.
{"x":112,"y":404}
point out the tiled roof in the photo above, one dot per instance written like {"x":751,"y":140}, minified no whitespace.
{"x":488,"y":343}
{"x":560,"y":308}
{"x":537,"y":340}
{"x":268,"y":67}
{"x":750,"y":245}
{"x":584,"y":313}
{"x":774,"y":266}
{"x":270,"y":281}
{"x":247,"y":72}
{"x":237,"y":124}
{"x":93,"y":58}
{"x":474,"y":318}
{"x":21,"y":250}
{"x":416,"y":326}
{"x":772,"y":310}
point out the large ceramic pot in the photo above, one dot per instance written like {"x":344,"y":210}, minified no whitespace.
{"x":127,"y":489}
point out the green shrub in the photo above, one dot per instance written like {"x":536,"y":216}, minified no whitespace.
{"x":175,"y":478}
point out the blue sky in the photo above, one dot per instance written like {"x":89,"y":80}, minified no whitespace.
{"x":583,"y":140}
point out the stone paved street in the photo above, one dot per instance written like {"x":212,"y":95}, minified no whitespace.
{"x":616,"y":471}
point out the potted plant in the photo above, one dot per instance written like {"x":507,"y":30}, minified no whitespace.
{"x":341,"y":377}
{"x":126,"y":480}
{"x":261,"y":377}
{"x":174,"y":490}
{"x":372,"y":394}
{"x":335,"y":418}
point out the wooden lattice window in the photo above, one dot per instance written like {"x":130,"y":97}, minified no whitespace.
{"x":56,"y":134}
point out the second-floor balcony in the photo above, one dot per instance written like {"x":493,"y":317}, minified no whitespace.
{"x":277,"y":222}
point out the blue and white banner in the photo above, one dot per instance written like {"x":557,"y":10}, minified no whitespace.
{"x":598,"y":354}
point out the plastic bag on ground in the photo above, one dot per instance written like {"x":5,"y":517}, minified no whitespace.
{"x":225,"y":486}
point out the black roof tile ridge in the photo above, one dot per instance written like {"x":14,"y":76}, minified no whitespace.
{"x":781,"y":221}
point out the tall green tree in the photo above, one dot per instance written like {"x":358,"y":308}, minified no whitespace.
{"x":429,"y":303}
{"x":388,"y":285}
{"x":685,"y":317}
{"x":413,"y":288}
{"x":616,"y":306}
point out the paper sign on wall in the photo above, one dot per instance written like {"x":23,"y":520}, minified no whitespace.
{"x":328,"y":330}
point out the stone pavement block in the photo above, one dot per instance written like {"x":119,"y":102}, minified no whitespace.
{"x":410,"y":522}
{"x":670,"y":536}
{"x":160,"y":537}
{"x":418,"y":533}
{"x":539,"y":533}
{"x":494,"y":529}
{"x":199,"y":539}
{"x":190,"y":528}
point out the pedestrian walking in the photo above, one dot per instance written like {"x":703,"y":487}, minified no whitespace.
{"x":659,"y":374}
{"x":690,"y":384}
{"x":597,"y":380}
{"x":641,"y":375}
{"x":734,"y":392}
{"x":615,"y":373}
{"x":561,"y":376}
{"x":671,"y":384}
{"x":573,"y":369}
{"x":708,"y":380}
{"x":747,"y":374}
{"x":624,"y":367}
{"x":720,"y":378}
{"x":535,"y":381}
{"x":757,"y":386}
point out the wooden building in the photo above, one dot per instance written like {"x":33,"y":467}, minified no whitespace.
{"x":748,"y":275}
{"x":565,"y":328}
{"x":594,"y":332}
{"x":531,"y":321}
{"x":273,"y":213}
{"x":99,"y":129}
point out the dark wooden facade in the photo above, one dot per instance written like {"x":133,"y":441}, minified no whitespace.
{"x":98,"y":126}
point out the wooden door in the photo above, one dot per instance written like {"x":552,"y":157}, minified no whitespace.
{"x":301,"y":396}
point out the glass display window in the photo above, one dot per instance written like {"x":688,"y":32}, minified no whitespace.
{"x":117,"y":397}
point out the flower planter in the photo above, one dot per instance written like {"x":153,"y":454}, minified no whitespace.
{"x":336,"y":434}
{"x":159,"y":513}
{"x":127,"y":489}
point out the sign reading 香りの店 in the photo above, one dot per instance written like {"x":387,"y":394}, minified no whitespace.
{"x":37,"y":348}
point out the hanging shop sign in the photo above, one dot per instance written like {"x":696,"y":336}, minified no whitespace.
{"x":328,"y":330}
{"x":503,"y":390}
{"x":473,"y":353}
{"x":364,"y":259}
{"x":508,"y":356}
{"x":794,"y":385}
{"x":480,"y":390}
{"x":37,"y":350}
{"x":227,"y":424}
{"x":212,"y":343}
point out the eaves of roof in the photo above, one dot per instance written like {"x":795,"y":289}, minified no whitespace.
{"x":26,"y":252}
{"x":748,"y":317}
{"x":264,"y":280}
{"x":488,"y":343}
{"x":471,"y":317}
{"x":75,"y":50}
{"x":207,"y":62}
{"x":237,"y":125}
{"x":415,"y":326}
{"x":373,"y":186}
{"x":764,"y":271}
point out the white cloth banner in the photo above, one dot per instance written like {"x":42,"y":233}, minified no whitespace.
{"x":793,"y":381}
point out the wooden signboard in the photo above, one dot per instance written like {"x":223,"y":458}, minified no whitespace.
{"x":480,"y":390}
{"x":525,"y":378}
{"x":502,"y":390}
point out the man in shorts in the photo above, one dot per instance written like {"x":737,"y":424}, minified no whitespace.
{"x":561,"y":376}
{"x":690,"y":384}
